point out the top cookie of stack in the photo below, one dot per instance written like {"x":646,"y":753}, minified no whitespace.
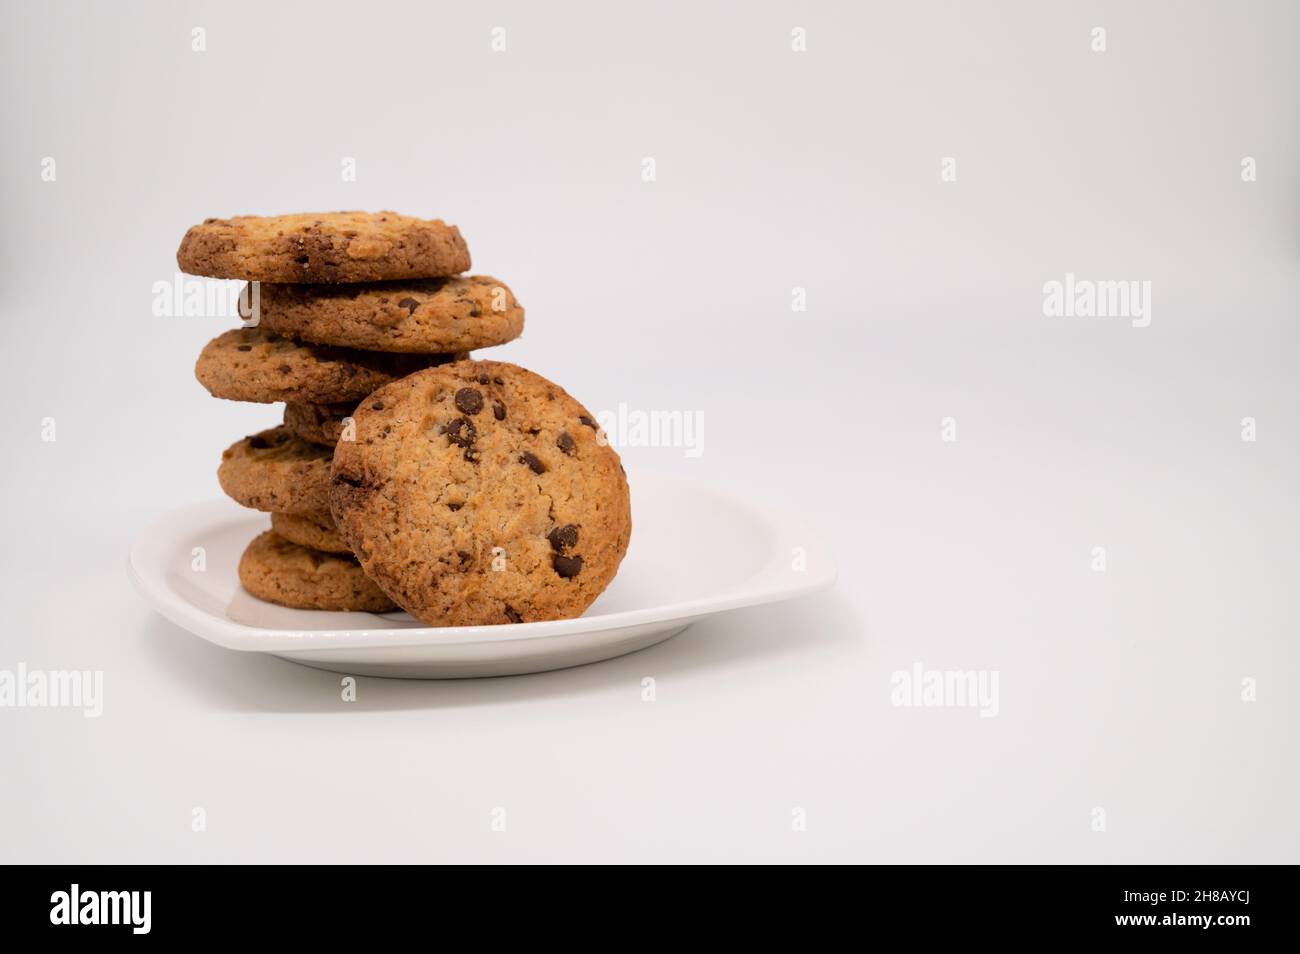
{"x":342,"y":303}
{"x":328,"y":247}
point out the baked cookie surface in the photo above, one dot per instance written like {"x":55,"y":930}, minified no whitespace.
{"x":479,"y":493}
{"x":277,"y":472}
{"x":318,"y":423}
{"x":433,"y":315}
{"x":323,"y":247}
{"x":278,"y":571}
{"x":313,"y":530}
{"x":254,"y":364}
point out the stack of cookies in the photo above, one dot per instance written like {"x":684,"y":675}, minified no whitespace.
{"x":403,"y":474}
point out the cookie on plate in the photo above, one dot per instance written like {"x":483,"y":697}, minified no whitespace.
{"x":254,"y":364}
{"x":319,"y":423}
{"x":480,"y":493}
{"x":323,"y":247}
{"x":313,"y":530}
{"x":422,"y":317}
{"x":275,"y":570}
{"x":277,"y":472}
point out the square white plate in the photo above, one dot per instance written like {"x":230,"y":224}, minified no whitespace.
{"x":695,"y":551}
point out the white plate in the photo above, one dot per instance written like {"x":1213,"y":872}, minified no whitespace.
{"x":695,"y":551}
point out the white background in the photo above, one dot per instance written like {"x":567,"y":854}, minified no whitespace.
{"x":1119,"y":690}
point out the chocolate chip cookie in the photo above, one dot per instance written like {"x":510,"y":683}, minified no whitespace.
{"x":480,"y":493}
{"x":275,"y":570}
{"x":313,"y":530}
{"x":254,"y":364}
{"x":319,"y":423}
{"x":323,"y":247}
{"x":277,"y":472}
{"x":422,"y":317}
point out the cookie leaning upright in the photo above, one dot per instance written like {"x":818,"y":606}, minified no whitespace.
{"x":481,"y":493}
{"x":323,"y":247}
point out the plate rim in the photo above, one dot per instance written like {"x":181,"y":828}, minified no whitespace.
{"x":244,"y":637}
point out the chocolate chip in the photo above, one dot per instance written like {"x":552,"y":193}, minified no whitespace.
{"x":497,"y":381}
{"x":464,"y":557}
{"x":460,"y":432}
{"x":377,"y":406}
{"x":453,"y":507}
{"x":471,"y":455}
{"x":244,"y":348}
{"x":348,"y":479}
{"x":513,"y":616}
{"x":284,"y":369}
{"x":563,"y":538}
{"x":258,"y":442}
{"x":482,"y":379}
{"x":498,"y":410}
{"x":474,"y":312}
{"x":535,"y":465}
{"x":302,"y":259}
{"x":567,"y":566}
{"x":469,"y":401}
{"x":565,"y":443}
{"x":584,"y":419}
{"x":410,"y":304}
